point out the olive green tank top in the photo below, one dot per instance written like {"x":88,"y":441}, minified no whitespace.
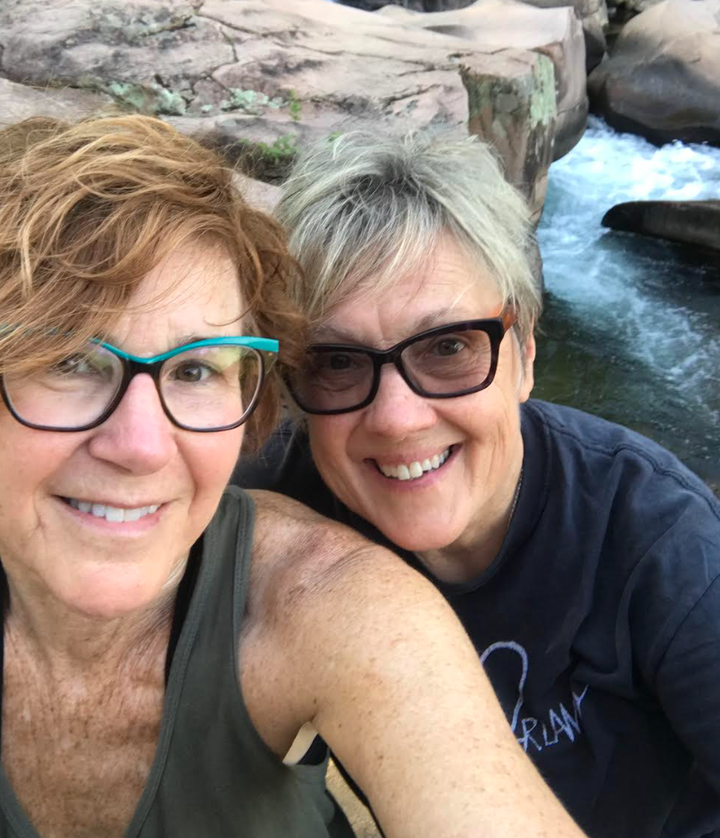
{"x":212,"y":776}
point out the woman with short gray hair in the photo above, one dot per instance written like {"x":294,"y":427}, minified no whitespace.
{"x":581,"y":557}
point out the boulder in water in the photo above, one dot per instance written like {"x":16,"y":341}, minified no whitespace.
{"x":686,"y":222}
{"x":663,"y":78}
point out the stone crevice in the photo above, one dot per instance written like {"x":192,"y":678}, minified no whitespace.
{"x":173,"y":25}
{"x":409,"y":94}
{"x":231,"y":43}
{"x":247,"y":31}
{"x":209,"y":75}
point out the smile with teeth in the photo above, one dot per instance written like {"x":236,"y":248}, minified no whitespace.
{"x":416,"y":469}
{"x":114,"y":514}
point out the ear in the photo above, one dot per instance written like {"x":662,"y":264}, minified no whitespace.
{"x":527,"y":358}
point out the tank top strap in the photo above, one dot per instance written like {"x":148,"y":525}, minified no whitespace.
{"x":218,"y":777}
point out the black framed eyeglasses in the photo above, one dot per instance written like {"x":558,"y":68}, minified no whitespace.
{"x":440,"y":363}
{"x":205,"y":386}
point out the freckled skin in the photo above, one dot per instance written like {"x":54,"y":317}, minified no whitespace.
{"x":78,"y":750}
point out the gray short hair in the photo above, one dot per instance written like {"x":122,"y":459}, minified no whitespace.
{"x":361,"y":207}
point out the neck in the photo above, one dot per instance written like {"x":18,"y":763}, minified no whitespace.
{"x":66,"y":640}
{"x":478,"y":547}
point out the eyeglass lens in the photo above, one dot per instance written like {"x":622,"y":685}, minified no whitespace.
{"x":202,"y":388}
{"x":439,"y":365}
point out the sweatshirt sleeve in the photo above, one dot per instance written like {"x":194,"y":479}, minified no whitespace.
{"x":687,"y":682}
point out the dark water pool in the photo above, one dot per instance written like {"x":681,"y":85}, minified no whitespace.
{"x":631,"y":329}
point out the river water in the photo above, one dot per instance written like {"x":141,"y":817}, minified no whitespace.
{"x":631,"y":329}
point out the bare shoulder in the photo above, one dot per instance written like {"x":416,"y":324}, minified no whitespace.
{"x":292,"y":539}
{"x":299,"y":555}
{"x":280,"y":510}
{"x":312,"y":581}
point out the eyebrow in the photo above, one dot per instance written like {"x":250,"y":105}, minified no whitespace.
{"x":439,"y":317}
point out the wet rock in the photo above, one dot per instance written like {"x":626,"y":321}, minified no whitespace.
{"x":663,"y":78}
{"x":686,"y":222}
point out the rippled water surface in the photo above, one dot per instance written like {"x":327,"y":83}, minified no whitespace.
{"x":631,"y":329}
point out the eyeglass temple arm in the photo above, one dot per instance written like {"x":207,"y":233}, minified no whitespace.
{"x":508,"y":317}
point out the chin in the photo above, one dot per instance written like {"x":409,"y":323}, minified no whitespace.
{"x":409,"y":538}
{"x":110,"y":593}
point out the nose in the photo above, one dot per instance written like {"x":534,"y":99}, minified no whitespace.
{"x":138,"y":436}
{"x":396,"y":411}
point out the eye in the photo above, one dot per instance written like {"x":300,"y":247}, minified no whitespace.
{"x":446,"y":346}
{"x":192,"y":371}
{"x":338,"y":362}
{"x":329,"y":363}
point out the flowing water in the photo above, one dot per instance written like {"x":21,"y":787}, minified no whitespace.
{"x":631,"y":329}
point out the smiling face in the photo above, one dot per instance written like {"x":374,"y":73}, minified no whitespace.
{"x":468,"y":450}
{"x":167,"y":481}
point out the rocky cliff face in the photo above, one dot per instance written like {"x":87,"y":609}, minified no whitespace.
{"x":261,"y":77}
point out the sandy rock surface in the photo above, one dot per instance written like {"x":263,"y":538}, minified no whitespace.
{"x":21,"y":101}
{"x":663,"y":78}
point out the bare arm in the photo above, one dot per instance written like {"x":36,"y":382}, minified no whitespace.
{"x":356,"y":642}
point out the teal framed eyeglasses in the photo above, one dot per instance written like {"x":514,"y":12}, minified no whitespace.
{"x":205,"y":386}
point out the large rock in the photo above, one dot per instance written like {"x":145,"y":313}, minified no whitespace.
{"x":517,"y":115}
{"x":501,"y":24}
{"x":686,"y":222}
{"x":663,"y":78}
{"x":413,"y":5}
{"x":262,"y":77}
{"x":262,"y":196}
{"x":593,"y":15}
{"x":19,"y":101}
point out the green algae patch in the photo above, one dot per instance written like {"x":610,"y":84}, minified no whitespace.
{"x":152,"y":99}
